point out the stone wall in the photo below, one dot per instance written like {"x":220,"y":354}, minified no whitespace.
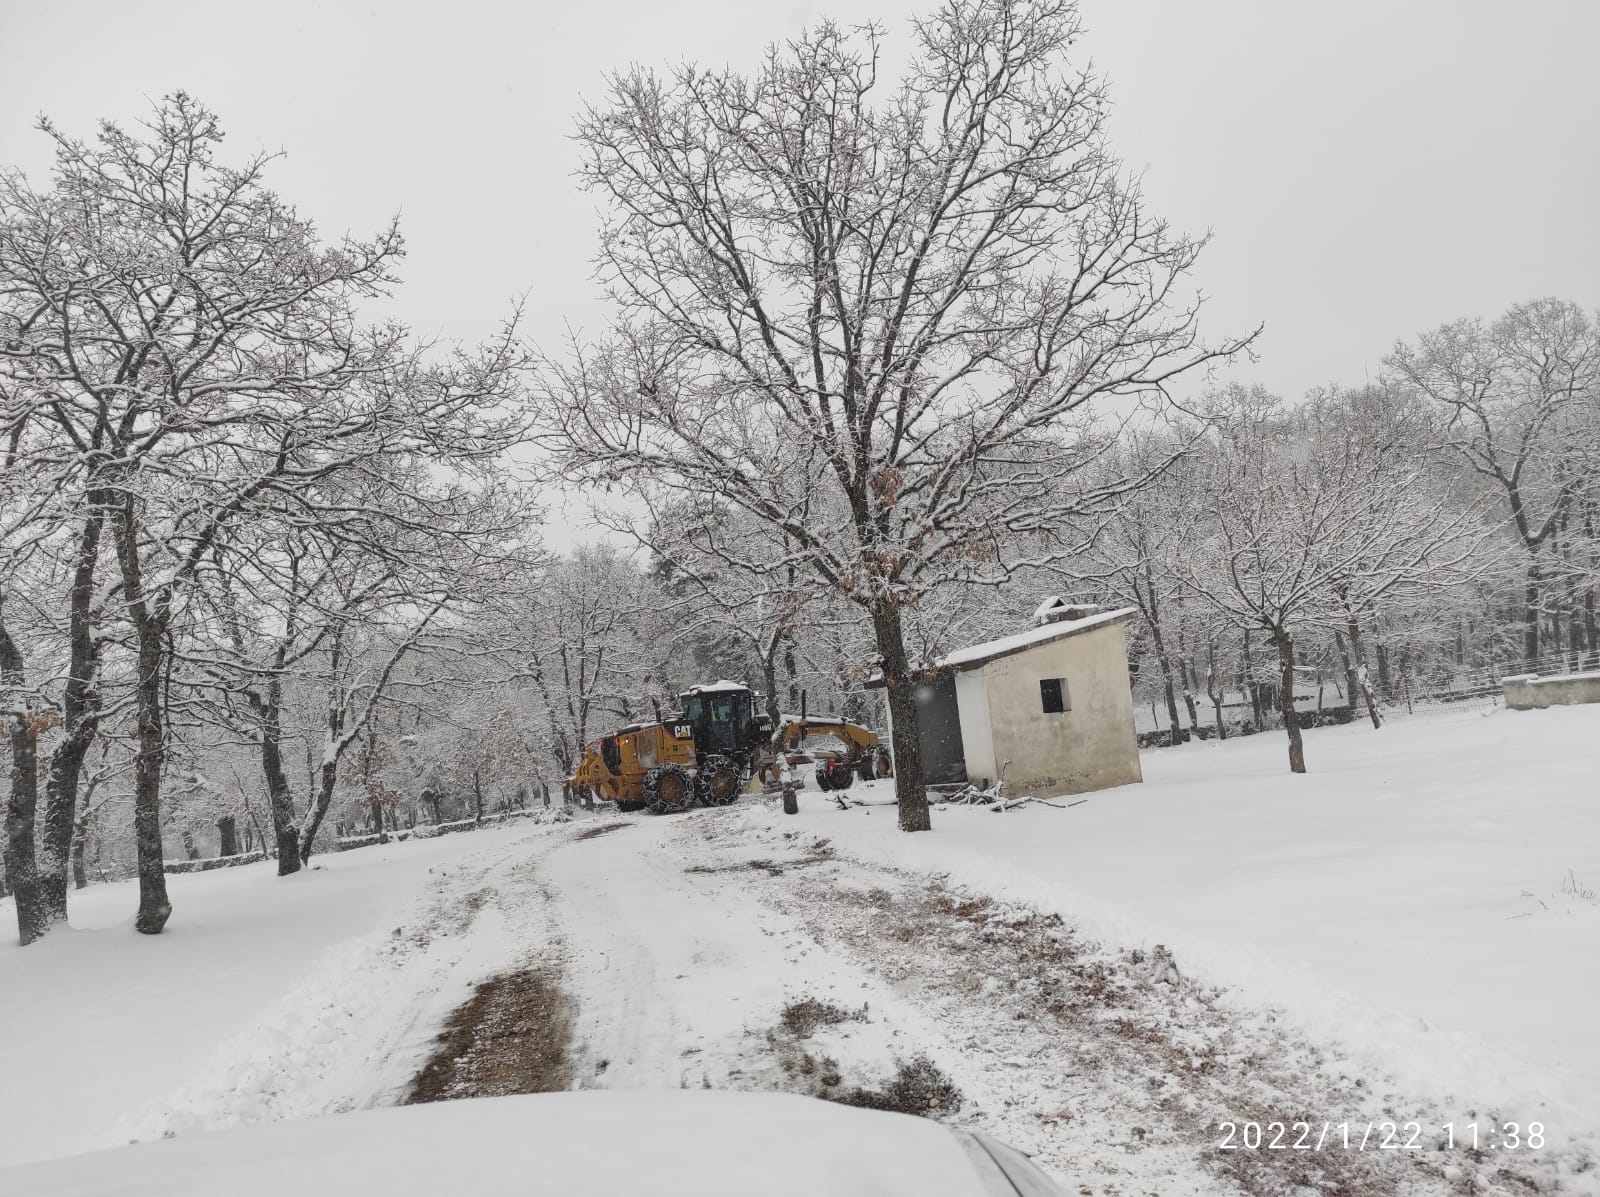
{"x":1529,"y":692}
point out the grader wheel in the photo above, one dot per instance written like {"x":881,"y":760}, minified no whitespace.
{"x":668,"y":789}
{"x":874,"y":763}
{"x":840,"y":775}
{"x":719,"y":781}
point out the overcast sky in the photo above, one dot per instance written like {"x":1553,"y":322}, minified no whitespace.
{"x":1369,"y":168}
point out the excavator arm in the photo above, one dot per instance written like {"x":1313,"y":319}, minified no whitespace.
{"x":856,"y":750}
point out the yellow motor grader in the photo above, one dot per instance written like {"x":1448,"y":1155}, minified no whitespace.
{"x":706,"y":753}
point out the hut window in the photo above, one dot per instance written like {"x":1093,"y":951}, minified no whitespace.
{"x":1053,"y":695}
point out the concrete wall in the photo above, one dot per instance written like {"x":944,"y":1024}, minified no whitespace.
{"x":1089,"y":747}
{"x":1530,"y":692}
{"x":972,"y":699}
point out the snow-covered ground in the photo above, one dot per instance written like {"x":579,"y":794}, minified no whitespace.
{"x":1404,"y":896}
{"x":1386,"y":936}
{"x":265,"y":997}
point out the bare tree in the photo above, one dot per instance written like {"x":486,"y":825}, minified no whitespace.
{"x":190,"y":355}
{"x":1131,"y":550}
{"x":1292,"y":507}
{"x":577,"y":635}
{"x":1515,"y":392}
{"x":890,"y":297}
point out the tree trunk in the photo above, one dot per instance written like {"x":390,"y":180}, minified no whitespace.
{"x":280,"y":802}
{"x":904,"y":719}
{"x":769,"y":679}
{"x":1152,"y":619}
{"x":150,"y":626}
{"x":1189,"y":703}
{"x":80,"y":719}
{"x":1349,"y":670}
{"x":1291,"y":721}
{"x":327,"y":779}
{"x":80,"y":874}
{"x":228,"y":836}
{"x":1530,"y":618}
{"x":1591,"y":629}
{"x":154,"y":907}
{"x":21,"y":865}
{"x":1174,"y":720}
{"x":1250,"y":684}
{"x":1385,"y":682}
{"x":1190,"y":678}
{"x":1363,"y":681}
{"x":1212,"y":690}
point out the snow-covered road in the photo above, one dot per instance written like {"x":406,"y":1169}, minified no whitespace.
{"x":692,"y":942}
{"x":663,"y":964}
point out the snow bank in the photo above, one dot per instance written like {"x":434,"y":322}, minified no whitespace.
{"x":99,"y":1021}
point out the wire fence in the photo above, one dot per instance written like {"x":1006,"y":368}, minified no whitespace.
{"x":1444,"y":687}
{"x":1478,"y":687}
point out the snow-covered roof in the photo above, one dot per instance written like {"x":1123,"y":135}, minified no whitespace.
{"x":978,"y":654}
{"x":716,"y":687}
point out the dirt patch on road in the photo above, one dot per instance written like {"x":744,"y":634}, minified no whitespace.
{"x":802,"y":1018}
{"x":589,"y":833}
{"x":1101,"y":1054}
{"x":914,"y":1086}
{"x":773,"y":868}
{"x":511,"y":1036}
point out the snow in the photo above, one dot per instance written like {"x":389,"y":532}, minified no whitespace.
{"x":677,"y":1142}
{"x":1404,"y":897}
{"x":717,"y":687}
{"x":117,"y":1032}
{"x":977,"y":654}
{"x":1418,"y":909}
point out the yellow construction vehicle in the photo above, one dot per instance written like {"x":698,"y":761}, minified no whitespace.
{"x":705,"y":753}
{"x":855,"y":751}
{"x":643,"y":765}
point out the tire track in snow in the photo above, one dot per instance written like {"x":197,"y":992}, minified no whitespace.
{"x":680,"y":973}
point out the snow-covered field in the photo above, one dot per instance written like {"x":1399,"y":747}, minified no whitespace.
{"x":1409,"y":930}
{"x":1404,"y":896}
